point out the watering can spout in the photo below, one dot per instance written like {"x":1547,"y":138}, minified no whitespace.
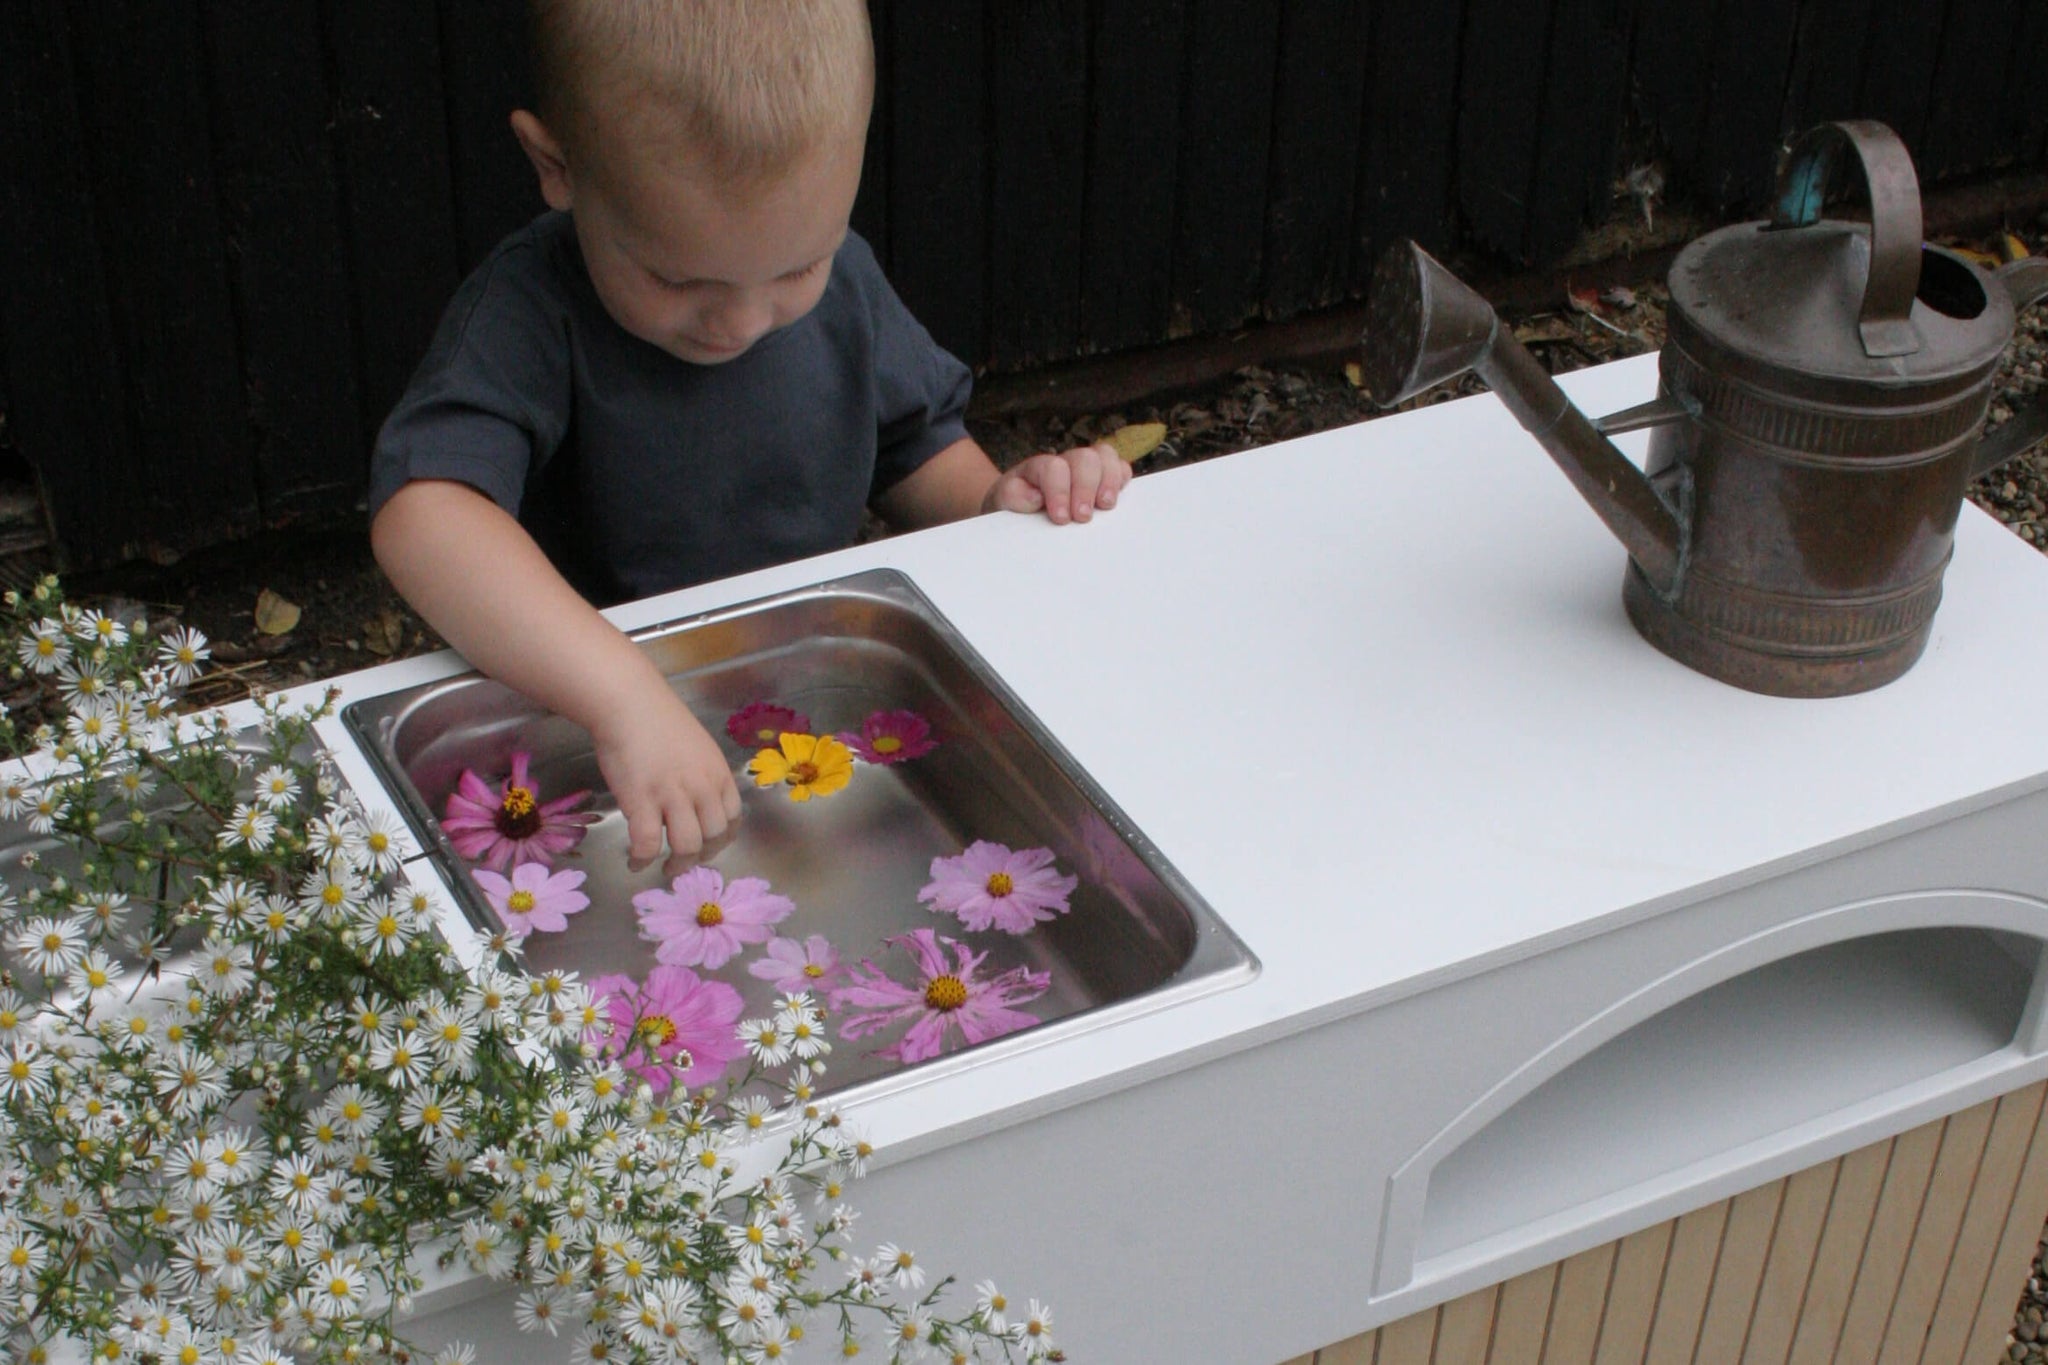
{"x":1425,"y":326}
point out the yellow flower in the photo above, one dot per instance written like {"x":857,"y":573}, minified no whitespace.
{"x":812,"y":765}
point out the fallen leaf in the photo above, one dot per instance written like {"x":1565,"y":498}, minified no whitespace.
{"x":1583,"y":300}
{"x":385,"y":634}
{"x":275,"y":615}
{"x":1354,"y":374}
{"x":1135,"y":442}
{"x":1544,"y":327}
{"x":2013,"y":248}
{"x":1620,"y":296}
{"x":1983,"y":258}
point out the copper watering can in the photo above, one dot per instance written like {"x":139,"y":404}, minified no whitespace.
{"x":1816,"y":424}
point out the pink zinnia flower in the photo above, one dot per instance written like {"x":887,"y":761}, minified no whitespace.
{"x":890,"y":737}
{"x":676,"y":1029}
{"x":812,"y":965}
{"x":757,"y":725}
{"x":989,"y":887}
{"x":943,"y":999}
{"x":701,"y":921}
{"x":534,"y":898}
{"x":510,"y":825}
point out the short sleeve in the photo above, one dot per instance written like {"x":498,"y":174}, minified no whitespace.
{"x":921,"y":389}
{"x":491,"y":399}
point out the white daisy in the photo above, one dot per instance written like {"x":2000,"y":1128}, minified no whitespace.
{"x":333,"y":836}
{"x":901,"y":1266}
{"x":276,"y":788}
{"x":488,"y":1248}
{"x":182,"y":650}
{"x":79,"y":679}
{"x":98,"y":628}
{"x":429,"y":1112}
{"x":331,"y":893}
{"x":338,"y":1290}
{"x":44,"y":649}
{"x":385,"y":843}
{"x":24,"y":1071}
{"x":992,"y":1307}
{"x":1034,"y":1331}
{"x":96,"y":979}
{"x":249,"y":827}
{"x":224,"y":969}
{"x":765,"y":1042}
{"x":538,"y":1310}
{"x":401,"y":1060}
{"x":50,"y":947}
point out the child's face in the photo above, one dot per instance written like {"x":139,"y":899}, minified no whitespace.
{"x":705,"y":271}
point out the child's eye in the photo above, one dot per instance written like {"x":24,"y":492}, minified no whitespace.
{"x":675,"y":286}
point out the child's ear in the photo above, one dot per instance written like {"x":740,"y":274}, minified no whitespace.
{"x":545,"y":152}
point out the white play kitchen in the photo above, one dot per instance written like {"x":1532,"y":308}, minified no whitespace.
{"x":1454,"y":975}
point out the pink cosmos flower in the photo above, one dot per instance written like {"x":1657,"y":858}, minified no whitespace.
{"x":990,"y":887}
{"x":534,"y":898}
{"x":812,"y":965}
{"x":890,"y":737}
{"x":675,"y":1029}
{"x":510,"y":825}
{"x":944,"y":998}
{"x":702,"y":921}
{"x":757,"y":725}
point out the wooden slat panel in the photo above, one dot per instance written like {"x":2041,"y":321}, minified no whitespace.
{"x":1827,"y":62}
{"x":280,"y":207}
{"x":1465,"y":1327}
{"x":1041,"y":127}
{"x":938,"y":168}
{"x":1404,"y":181}
{"x":67,"y":412}
{"x":1753,"y":62}
{"x":1673,"y":71}
{"x":1801,"y":1219}
{"x":1520,"y":1316}
{"x":1575,"y":1313}
{"x":1585,"y":88}
{"x":1891,"y":1233}
{"x":1318,"y":98}
{"x":1934,"y":1237}
{"x":1991,"y":1198}
{"x":1688,"y":1278}
{"x":1408,"y":1341}
{"x":1751,"y":1217}
{"x":1358,"y":1350}
{"x":485,"y":75}
{"x":1905,"y":41}
{"x":1963,"y":124}
{"x":1500,"y":118}
{"x":2014,"y":1257}
{"x":1134,"y":94}
{"x":1632,"y":1295}
{"x":398,"y":205}
{"x":1840,"y":1252}
{"x":1226,"y":136}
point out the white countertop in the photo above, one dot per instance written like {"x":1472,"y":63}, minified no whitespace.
{"x":1373,"y":693}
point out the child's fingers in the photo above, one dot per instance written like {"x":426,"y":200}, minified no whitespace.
{"x":1116,"y":474}
{"x":1055,"y":483}
{"x":685,"y":835}
{"x":729,"y":799}
{"x":643,"y":829}
{"x":1085,"y":471}
{"x":711,"y":816}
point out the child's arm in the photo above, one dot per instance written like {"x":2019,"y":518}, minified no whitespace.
{"x":480,"y":580}
{"x":961,"y":481}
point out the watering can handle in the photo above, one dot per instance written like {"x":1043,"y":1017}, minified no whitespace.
{"x":1886,"y":323}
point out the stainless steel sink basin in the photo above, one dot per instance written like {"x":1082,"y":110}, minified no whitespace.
{"x":1137,"y":938}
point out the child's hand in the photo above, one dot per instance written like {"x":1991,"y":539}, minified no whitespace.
{"x":667,"y":774}
{"x":1067,"y":487}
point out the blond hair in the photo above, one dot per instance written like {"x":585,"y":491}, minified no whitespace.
{"x":749,"y":85}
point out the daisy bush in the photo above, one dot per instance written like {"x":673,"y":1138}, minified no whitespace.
{"x":249,"y":1096}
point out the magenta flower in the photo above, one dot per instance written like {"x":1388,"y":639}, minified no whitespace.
{"x":702,"y":921}
{"x":944,"y":998}
{"x":511,"y":825}
{"x":812,"y":965}
{"x":534,"y":898}
{"x":757,"y":725}
{"x":890,"y":737}
{"x":989,"y":887}
{"x":676,"y":1029}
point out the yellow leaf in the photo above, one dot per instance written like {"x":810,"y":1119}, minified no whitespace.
{"x":1135,"y":442}
{"x":383,"y":635}
{"x":1354,"y":374}
{"x":1983,"y":258}
{"x":2013,"y":247}
{"x":274,"y":615}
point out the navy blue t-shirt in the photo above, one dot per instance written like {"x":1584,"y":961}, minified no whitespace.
{"x":638,"y":472}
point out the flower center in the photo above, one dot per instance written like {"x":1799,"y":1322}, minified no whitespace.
{"x":767,"y":736}
{"x":520,"y":902}
{"x":802,"y":774}
{"x":387,"y":926}
{"x":518,"y":814}
{"x":887,"y":744}
{"x":813,"y":970}
{"x":657,"y":1029}
{"x":945,"y":993}
{"x":709,"y":914}
{"x":999,"y":884}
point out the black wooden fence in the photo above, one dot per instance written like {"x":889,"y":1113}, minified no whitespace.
{"x":228,"y":226}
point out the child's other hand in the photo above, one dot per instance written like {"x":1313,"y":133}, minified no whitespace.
{"x":1068,"y":486}
{"x":667,"y":774}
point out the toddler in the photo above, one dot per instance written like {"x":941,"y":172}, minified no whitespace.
{"x":688,"y":368}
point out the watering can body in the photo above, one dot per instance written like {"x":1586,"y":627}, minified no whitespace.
{"x":1822,"y":392}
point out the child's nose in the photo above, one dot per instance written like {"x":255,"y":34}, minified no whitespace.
{"x":741,"y":319}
